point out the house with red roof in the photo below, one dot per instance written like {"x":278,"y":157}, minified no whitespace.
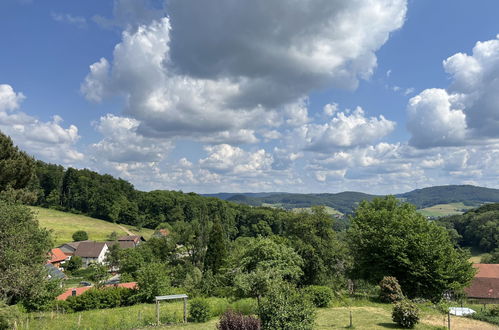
{"x":78,"y":291}
{"x":57,"y":257}
{"x":485,"y":284}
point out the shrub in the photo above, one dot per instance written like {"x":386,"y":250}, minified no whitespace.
{"x":199,"y":310}
{"x":320,"y":296}
{"x":153,"y":280}
{"x":246,"y":306}
{"x":231,"y":320}
{"x":80,"y":235}
{"x":74,"y":263}
{"x":100,"y":298}
{"x":285,"y":308}
{"x":406,"y":314}
{"x":390,"y":290}
{"x":8,"y":316}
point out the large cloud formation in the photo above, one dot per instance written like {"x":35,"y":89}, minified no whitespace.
{"x":466,"y":112}
{"x":223,"y":70}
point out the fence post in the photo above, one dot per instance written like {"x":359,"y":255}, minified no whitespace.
{"x":351,"y":323}
{"x":185,"y":310}
{"x":448,"y":320}
{"x":157,"y":311}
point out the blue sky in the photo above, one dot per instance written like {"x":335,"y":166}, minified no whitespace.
{"x":380,"y":96}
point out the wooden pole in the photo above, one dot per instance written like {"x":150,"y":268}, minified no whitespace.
{"x":185,"y":310}
{"x":351,"y":323}
{"x":448,"y":320}
{"x":157,"y":312}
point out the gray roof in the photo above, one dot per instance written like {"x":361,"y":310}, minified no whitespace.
{"x":54,"y":272}
{"x":89,"y":249}
{"x":122,"y":244}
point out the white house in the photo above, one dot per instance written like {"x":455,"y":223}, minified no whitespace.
{"x":91,"y":252}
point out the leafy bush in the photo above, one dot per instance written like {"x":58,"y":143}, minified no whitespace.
{"x":8,"y":315}
{"x":490,"y":315}
{"x":246,"y":306}
{"x":153,"y":280}
{"x":406,"y":314}
{"x":199,"y":310}
{"x":100,"y":298}
{"x":80,"y":235}
{"x":74,"y":263}
{"x":231,"y":320}
{"x":320,"y":296}
{"x":390,"y":290}
{"x":285,"y":308}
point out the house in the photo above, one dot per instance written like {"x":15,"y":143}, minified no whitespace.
{"x":135,"y":239}
{"x":78,"y":291}
{"x":57,"y":257}
{"x":91,"y":252}
{"x":121,"y":244}
{"x":485,"y":284}
{"x":70,"y":248}
{"x":54,"y":273}
{"x":161,"y":233}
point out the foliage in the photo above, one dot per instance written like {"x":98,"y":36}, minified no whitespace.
{"x":74,"y":263}
{"x":44,"y":297}
{"x":325,"y":256}
{"x":476,"y":228}
{"x":100,"y":298}
{"x":406,"y":314}
{"x":216,"y":252}
{"x":98,"y":272}
{"x":8,"y":315}
{"x":491,"y":258}
{"x":490,"y":314}
{"x":389,"y":237}
{"x":153,"y":280}
{"x":390,"y":290}
{"x":16,"y":167}
{"x":113,"y":255}
{"x":80,"y":235}
{"x":254,"y":262}
{"x":231,"y":320}
{"x":284,"y":308}
{"x":23,"y":252}
{"x":199,"y":310}
{"x":320,"y":296}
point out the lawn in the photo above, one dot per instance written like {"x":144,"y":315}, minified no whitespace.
{"x":441,"y":210}
{"x":365,"y":315}
{"x":64,"y":224}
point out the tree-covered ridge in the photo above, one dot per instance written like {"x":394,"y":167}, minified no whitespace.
{"x":477,"y":228}
{"x":345,"y":202}
{"x":467,"y":194}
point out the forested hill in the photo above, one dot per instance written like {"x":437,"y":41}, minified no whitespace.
{"x":346,"y":202}
{"x":467,"y":194}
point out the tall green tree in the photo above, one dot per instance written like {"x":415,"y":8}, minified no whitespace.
{"x":24,"y":248}
{"x":216,"y":252}
{"x":389,"y":238}
{"x":16,"y":167}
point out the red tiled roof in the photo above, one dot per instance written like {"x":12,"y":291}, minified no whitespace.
{"x":56,"y":255}
{"x":486,"y":282}
{"x":79,"y":291}
{"x":487,"y":270}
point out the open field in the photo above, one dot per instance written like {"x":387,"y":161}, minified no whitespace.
{"x":64,"y":224}
{"x":441,"y":210}
{"x":329,"y":210}
{"x":366,"y":315}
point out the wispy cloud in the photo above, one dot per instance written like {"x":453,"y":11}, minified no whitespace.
{"x":78,"y":21}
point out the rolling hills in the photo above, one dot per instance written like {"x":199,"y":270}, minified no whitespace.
{"x":464,"y":196}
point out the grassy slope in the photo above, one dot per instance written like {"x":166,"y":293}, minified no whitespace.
{"x":441,"y":210}
{"x":64,"y":224}
{"x":366,"y":315}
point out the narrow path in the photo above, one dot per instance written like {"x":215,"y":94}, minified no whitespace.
{"x":126,"y":230}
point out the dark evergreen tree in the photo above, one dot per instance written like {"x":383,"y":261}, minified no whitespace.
{"x":217,"y":248}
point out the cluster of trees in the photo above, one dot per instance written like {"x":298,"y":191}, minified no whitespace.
{"x":478,"y":228}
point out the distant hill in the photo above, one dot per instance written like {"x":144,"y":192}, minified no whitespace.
{"x":466,"y":194}
{"x":345,"y":202}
